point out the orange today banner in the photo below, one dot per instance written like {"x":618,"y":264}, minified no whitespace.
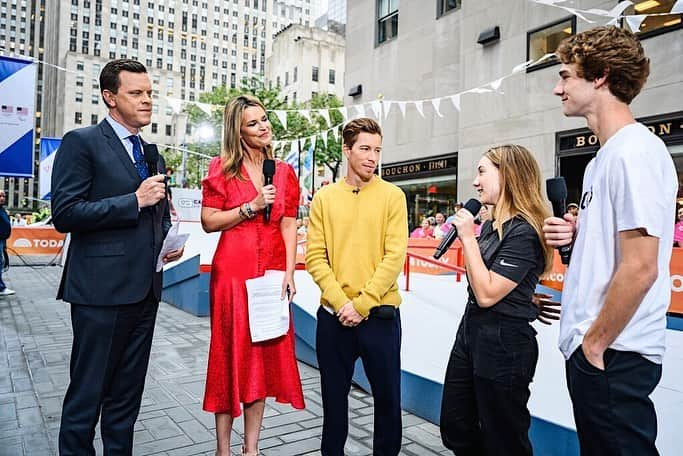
{"x":555,"y":278}
{"x":39,"y":240}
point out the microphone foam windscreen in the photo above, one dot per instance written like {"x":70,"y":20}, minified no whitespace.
{"x":268,"y":167}
{"x":556,"y":188}
{"x":473,"y":206}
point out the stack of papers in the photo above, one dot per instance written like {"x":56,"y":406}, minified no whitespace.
{"x":268,"y":314}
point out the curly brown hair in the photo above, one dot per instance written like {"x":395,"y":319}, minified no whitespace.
{"x":610,"y":51}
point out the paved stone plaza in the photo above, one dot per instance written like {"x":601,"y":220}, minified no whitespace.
{"x":35,"y":340}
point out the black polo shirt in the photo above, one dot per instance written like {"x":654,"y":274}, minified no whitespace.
{"x":518,"y":257}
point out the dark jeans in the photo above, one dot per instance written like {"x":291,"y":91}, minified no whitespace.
{"x":378,"y":343}
{"x":109,"y":360}
{"x":2,"y":264}
{"x":612,"y":408}
{"x":486,"y":390}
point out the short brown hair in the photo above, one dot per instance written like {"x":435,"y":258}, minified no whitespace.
{"x":610,"y":51}
{"x":358,"y":126}
{"x":109,"y":77}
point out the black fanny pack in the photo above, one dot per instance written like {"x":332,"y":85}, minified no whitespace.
{"x":385,"y":312}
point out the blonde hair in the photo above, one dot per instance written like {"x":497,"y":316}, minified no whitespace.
{"x":232,"y":152}
{"x":520,"y":191}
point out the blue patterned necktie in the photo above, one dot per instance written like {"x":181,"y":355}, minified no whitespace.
{"x":140,"y":164}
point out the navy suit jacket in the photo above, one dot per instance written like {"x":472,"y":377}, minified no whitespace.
{"x":114,"y":247}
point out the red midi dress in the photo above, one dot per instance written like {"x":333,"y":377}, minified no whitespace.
{"x":240,"y":371}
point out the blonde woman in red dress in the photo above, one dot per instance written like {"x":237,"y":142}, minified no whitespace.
{"x":241,"y":374}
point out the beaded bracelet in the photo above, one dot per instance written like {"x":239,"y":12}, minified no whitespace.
{"x":250,"y":212}
{"x":242,"y":214}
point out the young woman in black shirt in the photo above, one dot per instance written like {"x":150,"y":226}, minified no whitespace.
{"x":486,"y":390}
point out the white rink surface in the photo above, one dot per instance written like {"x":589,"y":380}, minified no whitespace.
{"x":430,"y":314}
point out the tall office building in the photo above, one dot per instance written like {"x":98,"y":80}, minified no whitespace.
{"x":22,"y":33}
{"x":335,"y":17}
{"x":188,"y":46}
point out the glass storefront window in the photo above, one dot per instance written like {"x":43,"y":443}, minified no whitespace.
{"x":652,"y":24}
{"x":546,"y":39}
{"x":426,"y":197}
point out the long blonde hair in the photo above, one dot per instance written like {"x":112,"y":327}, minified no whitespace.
{"x":232,"y":152}
{"x":520,"y":191}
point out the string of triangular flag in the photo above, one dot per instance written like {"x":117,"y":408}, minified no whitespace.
{"x":634,"y":20}
{"x":297,"y":144}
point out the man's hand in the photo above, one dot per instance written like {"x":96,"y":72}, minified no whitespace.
{"x":173,"y":255}
{"x":151,"y":191}
{"x":559,"y":232}
{"x":548,"y":310}
{"x":593,"y":353}
{"x":348,"y":315}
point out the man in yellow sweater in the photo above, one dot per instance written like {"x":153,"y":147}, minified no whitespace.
{"x":356,"y":247}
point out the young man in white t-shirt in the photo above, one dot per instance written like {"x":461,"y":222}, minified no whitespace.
{"x":616,"y":291}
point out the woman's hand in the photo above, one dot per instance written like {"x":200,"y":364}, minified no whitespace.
{"x":288,"y":286}
{"x":265,"y":197}
{"x":548,"y":310}
{"x":464,"y":223}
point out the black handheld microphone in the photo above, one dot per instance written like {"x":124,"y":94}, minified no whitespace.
{"x":268,"y":173}
{"x":472,"y":207}
{"x":556,"y":188}
{"x":151,"y":158}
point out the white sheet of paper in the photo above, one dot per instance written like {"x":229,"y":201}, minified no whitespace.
{"x":268,"y":314}
{"x":173,"y":241}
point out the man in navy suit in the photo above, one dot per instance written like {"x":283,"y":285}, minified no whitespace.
{"x":103,"y":193}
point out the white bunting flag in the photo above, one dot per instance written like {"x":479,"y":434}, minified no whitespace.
{"x":282,"y":117}
{"x":402,"y":107}
{"x":521,"y":66}
{"x":207,"y":108}
{"x":678,"y":7}
{"x":176,"y":104}
{"x":313,"y":140}
{"x":344,"y":112}
{"x":495,"y":85}
{"x":295,"y":146}
{"x":418,"y":106}
{"x":306,"y":114}
{"x":635,"y":21}
{"x":323,"y":135}
{"x":335,"y":133}
{"x":387,"y":107}
{"x":377,"y":108}
{"x":360,"y":110}
{"x":325,"y":114}
{"x":455,"y":99}
{"x":436,"y":102}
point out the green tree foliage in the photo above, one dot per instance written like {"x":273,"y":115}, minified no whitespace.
{"x":272,"y":98}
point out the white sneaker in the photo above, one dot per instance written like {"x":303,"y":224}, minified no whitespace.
{"x":7,"y":292}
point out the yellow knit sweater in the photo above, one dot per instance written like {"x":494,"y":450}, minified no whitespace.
{"x":356,"y":244}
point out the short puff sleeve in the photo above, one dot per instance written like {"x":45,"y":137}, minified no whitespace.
{"x":292,"y":193}
{"x":213,"y":186}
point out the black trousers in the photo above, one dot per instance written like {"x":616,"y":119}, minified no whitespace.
{"x":612,"y":408}
{"x":109,"y":359}
{"x":486,"y":390}
{"x":378,"y":343}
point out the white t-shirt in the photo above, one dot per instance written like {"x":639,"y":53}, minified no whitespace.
{"x":631,"y":183}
